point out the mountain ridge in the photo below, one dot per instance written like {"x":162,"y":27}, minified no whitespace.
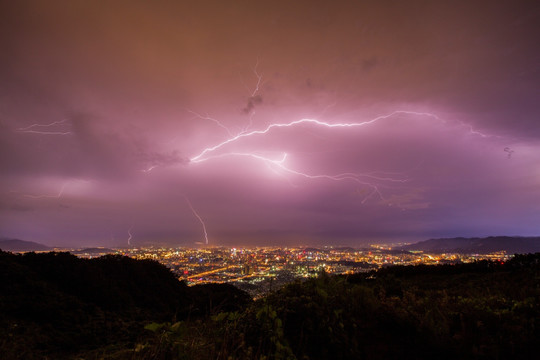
{"x":16,"y":245}
{"x":509,"y":244}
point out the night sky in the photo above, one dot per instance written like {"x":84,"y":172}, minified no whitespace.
{"x":271,"y":122}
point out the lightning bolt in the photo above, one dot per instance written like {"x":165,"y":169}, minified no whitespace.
{"x":275,"y":164}
{"x":57,"y":196}
{"x":199,"y":218}
{"x":476,"y":132}
{"x":36,"y":129}
{"x":259,"y":79}
{"x":249,"y":124}
{"x":149,"y":169}
{"x":130,"y":236}
{"x":217,"y":122}
{"x":279,"y":164}
{"x":253,"y":93}
{"x":201,"y":156}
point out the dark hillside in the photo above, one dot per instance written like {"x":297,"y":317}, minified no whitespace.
{"x":484,"y":310}
{"x":58,"y":304}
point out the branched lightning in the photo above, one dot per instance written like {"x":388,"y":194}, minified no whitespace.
{"x":249,"y":124}
{"x":57,"y":196}
{"x":259,"y":79}
{"x":217,"y":122}
{"x":149,"y":169}
{"x":200,"y":156}
{"x":476,"y":132}
{"x":253,"y":96}
{"x":37,"y":129}
{"x":199,"y":218}
{"x":277,"y":165}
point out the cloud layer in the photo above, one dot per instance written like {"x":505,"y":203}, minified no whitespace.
{"x":104,"y":109}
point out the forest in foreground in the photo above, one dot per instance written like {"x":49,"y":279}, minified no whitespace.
{"x":55,"y":305}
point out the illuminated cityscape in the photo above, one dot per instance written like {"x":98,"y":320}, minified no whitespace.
{"x":259,"y":270}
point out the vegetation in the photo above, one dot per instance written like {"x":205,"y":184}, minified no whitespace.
{"x":484,"y":310}
{"x":58,"y":305}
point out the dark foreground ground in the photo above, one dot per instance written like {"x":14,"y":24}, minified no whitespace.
{"x":56,"y":306}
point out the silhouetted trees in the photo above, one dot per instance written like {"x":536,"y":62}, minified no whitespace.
{"x":56,"y":303}
{"x":114,"y":307}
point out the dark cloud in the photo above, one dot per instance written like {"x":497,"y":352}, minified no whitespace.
{"x":369,"y":64}
{"x":154,"y":159}
{"x":509,"y":151}
{"x":252,"y":102}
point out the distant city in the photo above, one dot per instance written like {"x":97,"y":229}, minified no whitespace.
{"x":259,"y":270}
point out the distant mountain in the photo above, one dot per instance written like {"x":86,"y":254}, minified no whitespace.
{"x":21,"y":245}
{"x":510,"y":244}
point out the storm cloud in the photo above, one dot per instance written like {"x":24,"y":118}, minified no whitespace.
{"x":100,"y":132}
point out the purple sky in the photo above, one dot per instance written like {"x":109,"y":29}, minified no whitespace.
{"x":106,"y":109}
